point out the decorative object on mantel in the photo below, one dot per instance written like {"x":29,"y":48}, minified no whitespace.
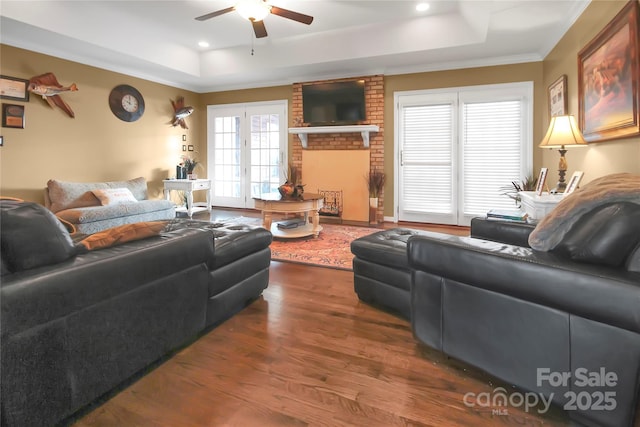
{"x":375,"y":183}
{"x":180,"y":112}
{"x":364,"y":131}
{"x":292,"y":186}
{"x":47,"y":86}
{"x":609,"y":80}
{"x":563,"y":132}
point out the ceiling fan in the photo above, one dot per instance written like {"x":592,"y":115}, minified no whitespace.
{"x":255,"y":11}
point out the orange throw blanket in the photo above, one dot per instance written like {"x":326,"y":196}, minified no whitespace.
{"x":123,"y":233}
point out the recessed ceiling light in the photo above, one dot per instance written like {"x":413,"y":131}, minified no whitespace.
{"x":203,"y":44}
{"x":421,"y":7}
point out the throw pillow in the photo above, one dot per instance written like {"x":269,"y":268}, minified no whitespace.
{"x":114,"y":196}
{"x":605,"y":236}
{"x":550,"y":231}
{"x":123,"y":233}
{"x":32,"y":236}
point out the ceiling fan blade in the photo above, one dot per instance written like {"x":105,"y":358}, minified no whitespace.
{"x":214,"y":14}
{"x":289,"y":14}
{"x":259,"y":29}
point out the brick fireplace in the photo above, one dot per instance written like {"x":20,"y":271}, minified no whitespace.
{"x":324,"y":149}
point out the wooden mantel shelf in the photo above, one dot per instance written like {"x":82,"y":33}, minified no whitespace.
{"x":364,"y":130}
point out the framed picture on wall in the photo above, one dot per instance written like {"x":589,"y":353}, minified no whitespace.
{"x":608,"y":68}
{"x":12,"y":116}
{"x":574,"y":182}
{"x":542,"y":181}
{"x":14,"y":88}
{"x":558,"y":104}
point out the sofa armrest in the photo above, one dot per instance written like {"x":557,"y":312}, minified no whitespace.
{"x":512,"y":233}
{"x":604,"y":294}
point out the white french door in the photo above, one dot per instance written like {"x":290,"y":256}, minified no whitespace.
{"x":247,"y":148}
{"x":456,"y":148}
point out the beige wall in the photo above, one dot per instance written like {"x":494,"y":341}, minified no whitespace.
{"x":95,"y":145}
{"x":598,"y":158}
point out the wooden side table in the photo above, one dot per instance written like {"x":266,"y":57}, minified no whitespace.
{"x":189,"y":186}
{"x":308,"y":204}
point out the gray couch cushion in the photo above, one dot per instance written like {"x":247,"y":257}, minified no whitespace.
{"x":100,"y":213}
{"x":63,"y":195}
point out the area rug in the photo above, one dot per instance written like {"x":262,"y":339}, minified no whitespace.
{"x":332,"y":248}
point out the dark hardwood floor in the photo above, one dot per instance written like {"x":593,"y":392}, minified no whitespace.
{"x":308,"y":352}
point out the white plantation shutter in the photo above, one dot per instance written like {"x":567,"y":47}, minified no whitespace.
{"x":458,"y":149}
{"x":427,"y":158}
{"x":491,"y":150}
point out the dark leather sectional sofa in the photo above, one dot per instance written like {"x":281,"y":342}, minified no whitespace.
{"x":525,"y":316}
{"x":76,"y":325}
{"x":528,"y":317}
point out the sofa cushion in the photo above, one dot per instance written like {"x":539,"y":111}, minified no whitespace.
{"x":67,"y":195}
{"x":32,"y":236}
{"x":122,"y":234}
{"x":605,"y":236}
{"x":387,"y":247}
{"x":99,"y":213}
{"x":114,"y":196}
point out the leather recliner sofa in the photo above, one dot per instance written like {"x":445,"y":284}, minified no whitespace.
{"x":563,"y":323}
{"x":74,"y":325}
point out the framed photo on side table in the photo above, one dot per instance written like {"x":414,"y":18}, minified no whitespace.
{"x":558,"y":104}
{"x":574,"y":182}
{"x":608,"y":91}
{"x":542,"y":180}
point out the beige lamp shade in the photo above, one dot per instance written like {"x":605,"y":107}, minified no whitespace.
{"x":563,"y":132}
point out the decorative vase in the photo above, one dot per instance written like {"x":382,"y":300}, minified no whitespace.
{"x":373,"y":210}
{"x":287,"y":190}
{"x":181,"y":172}
{"x":192,"y":175}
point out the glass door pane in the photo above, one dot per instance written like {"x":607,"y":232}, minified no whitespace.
{"x":247,"y":148}
{"x":227,"y":167}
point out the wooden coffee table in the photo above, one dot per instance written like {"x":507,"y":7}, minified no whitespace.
{"x":308,"y":204}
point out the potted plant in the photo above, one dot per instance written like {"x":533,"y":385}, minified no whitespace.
{"x":189,"y":165}
{"x":512,"y":191}
{"x":375,"y":183}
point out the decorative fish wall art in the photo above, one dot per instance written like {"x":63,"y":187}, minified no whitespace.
{"x":180,"y":112}
{"x":47,"y":86}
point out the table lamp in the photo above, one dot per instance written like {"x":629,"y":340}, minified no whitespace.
{"x":563,"y":132}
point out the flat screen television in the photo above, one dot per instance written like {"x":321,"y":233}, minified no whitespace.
{"x":337,"y":103}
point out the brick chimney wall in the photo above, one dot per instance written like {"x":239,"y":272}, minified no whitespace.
{"x":374,"y":104}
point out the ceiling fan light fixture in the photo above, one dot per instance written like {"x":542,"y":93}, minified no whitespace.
{"x":253,"y":10}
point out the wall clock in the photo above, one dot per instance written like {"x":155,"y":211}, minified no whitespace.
{"x":126,"y":103}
